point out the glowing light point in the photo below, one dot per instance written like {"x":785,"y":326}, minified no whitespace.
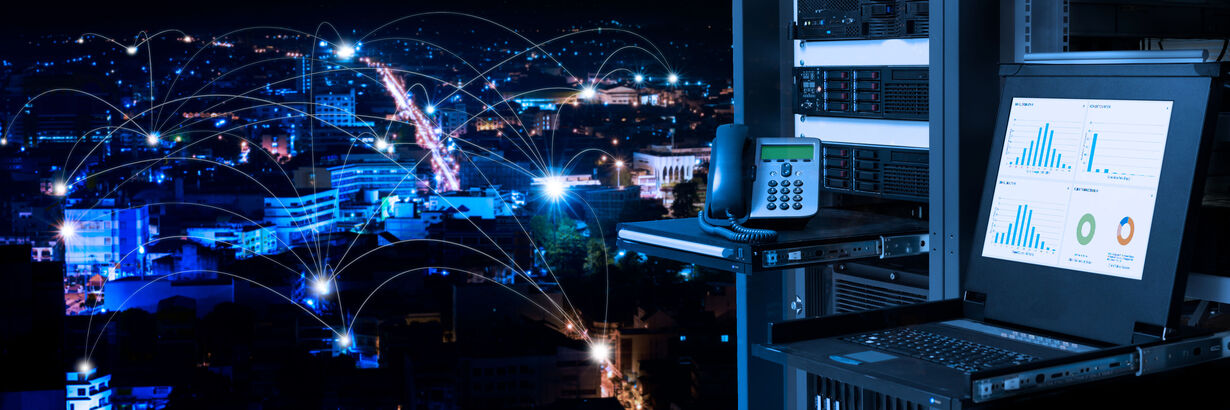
{"x":152,"y":138}
{"x":321,"y":286}
{"x":345,"y":51}
{"x":569,"y":326}
{"x":59,"y":189}
{"x":80,"y":40}
{"x":187,"y":39}
{"x":588,"y":92}
{"x":84,"y":367}
{"x":431,"y":109}
{"x":599,"y":352}
{"x":4,"y":141}
{"x":619,"y":164}
{"x":68,"y":230}
{"x":381,"y":144}
{"x":343,"y":340}
{"x":132,"y":50}
{"x":554,"y":188}
{"x":638,"y":78}
{"x":673,"y":78}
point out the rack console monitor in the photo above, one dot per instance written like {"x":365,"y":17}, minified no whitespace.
{"x":1077,"y":184}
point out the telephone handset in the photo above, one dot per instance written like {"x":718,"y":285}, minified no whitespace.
{"x":762,"y":180}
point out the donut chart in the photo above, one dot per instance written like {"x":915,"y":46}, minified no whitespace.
{"x":1131,"y":230}
{"x":1083,"y":237}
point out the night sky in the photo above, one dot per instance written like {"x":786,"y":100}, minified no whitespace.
{"x":119,"y":18}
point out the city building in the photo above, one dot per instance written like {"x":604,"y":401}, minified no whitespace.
{"x":567,"y":181}
{"x":142,"y":397}
{"x":105,"y":240}
{"x":453,"y":120}
{"x":474,"y":203}
{"x":246,"y":239}
{"x":661,"y":166}
{"x":338,"y":110}
{"x":367,"y":182}
{"x":493,"y":169}
{"x":299,"y":218}
{"x":88,"y":390}
{"x":619,"y":96}
{"x":544,"y":122}
{"x":608,"y":206}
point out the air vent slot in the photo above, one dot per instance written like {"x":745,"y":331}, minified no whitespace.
{"x":855,"y":294}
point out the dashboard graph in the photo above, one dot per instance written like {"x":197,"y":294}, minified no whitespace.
{"x":1068,"y":164}
{"x":1043,"y":154}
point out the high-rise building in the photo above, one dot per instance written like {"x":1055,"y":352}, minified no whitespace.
{"x":385,"y":178}
{"x":107,"y":241}
{"x":298,"y":218}
{"x":338,"y":110}
{"x":454,"y":120}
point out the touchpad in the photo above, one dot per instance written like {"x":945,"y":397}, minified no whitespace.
{"x":871,"y":356}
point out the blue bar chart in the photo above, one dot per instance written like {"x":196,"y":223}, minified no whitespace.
{"x":1042,"y":151}
{"x":1123,"y":151}
{"x":1022,"y":232}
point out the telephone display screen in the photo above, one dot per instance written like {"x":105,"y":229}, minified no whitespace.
{"x":772,"y":152}
{"x":1078,"y":183}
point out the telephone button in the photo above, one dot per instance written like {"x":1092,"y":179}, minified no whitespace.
{"x":771,"y":206}
{"x":783,"y":198}
{"x":772,"y":183}
{"x":785,"y":182}
{"x":786,"y":170}
{"x":798,"y":190}
{"x":797,"y":198}
{"x":773,"y":191}
{"x":797,"y":206}
{"x":798,"y":182}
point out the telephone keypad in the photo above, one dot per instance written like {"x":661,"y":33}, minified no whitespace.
{"x":780,"y":181}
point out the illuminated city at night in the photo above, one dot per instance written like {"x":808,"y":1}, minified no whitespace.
{"x":399,"y":205}
{"x":618,"y":205}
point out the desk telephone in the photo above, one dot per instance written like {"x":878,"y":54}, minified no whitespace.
{"x":780,"y":175}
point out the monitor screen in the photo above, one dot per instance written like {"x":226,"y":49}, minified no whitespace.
{"x":1077,"y":184}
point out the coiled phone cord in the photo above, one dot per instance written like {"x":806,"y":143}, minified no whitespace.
{"x":738,"y":232}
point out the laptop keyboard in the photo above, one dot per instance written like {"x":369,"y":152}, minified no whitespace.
{"x":955,"y":353}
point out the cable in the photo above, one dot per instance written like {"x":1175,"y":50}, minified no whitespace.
{"x":737,"y":232}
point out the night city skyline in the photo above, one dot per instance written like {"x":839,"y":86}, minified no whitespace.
{"x":316,"y":205}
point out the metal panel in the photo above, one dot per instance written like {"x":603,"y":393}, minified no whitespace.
{"x":964,"y":96}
